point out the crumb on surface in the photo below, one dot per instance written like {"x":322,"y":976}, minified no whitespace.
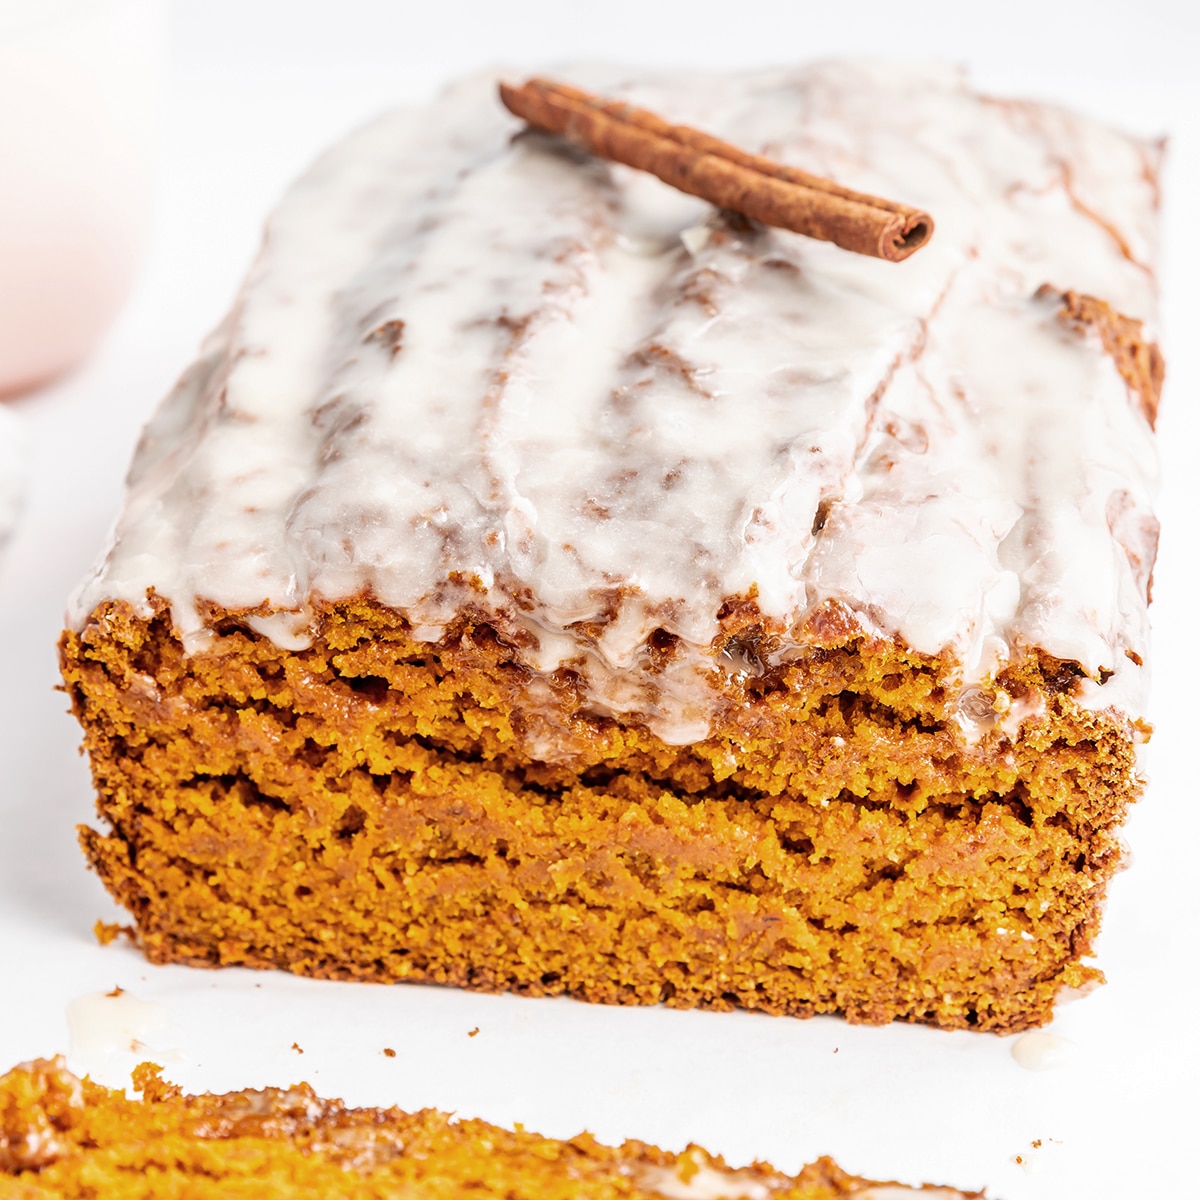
{"x":296,"y":1047}
{"x":473,"y":1032}
{"x":388,"y":1052}
{"x":107,"y":932}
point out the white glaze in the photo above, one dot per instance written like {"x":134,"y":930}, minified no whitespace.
{"x":604,"y":397}
{"x":704,"y":1182}
{"x":897,"y":1191}
{"x":102,"y":1025}
{"x":1042,"y":1051}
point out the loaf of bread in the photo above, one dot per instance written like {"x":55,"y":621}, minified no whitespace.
{"x":546,"y":581}
{"x":61,"y":1136}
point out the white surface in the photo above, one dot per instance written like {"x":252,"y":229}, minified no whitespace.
{"x":254,"y":94}
{"x":12,"y":472}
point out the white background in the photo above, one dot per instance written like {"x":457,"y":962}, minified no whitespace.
{"x":253,"y":90}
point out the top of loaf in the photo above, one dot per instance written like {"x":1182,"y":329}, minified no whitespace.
{"x":473,"y":366}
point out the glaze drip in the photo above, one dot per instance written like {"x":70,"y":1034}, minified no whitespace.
{"x":475,"y":367}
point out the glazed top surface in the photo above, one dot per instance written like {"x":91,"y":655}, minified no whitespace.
{"x":472,"y":365}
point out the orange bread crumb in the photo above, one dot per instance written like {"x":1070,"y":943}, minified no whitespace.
{"x":65,"y":1137}
{"x":371,"y":808}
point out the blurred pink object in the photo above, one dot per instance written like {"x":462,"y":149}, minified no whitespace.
{"x":78,"y":109}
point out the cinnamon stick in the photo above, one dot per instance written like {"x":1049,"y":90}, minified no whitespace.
{"x":704,"y":166}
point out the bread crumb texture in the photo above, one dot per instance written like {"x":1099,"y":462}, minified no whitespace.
{"x":379,"y":808}
{"x":65,"y":1137}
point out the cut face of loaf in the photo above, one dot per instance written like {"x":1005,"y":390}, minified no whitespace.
{"x":542,"y":582}
{"x":369,"y":808}
{"x":65,"y":1137}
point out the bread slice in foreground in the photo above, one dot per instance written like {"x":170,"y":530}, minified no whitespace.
{"x":65,"y":1137}
{"x":545,"y":583}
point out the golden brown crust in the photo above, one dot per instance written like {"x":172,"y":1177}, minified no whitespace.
{"x":1140,"y":362}
{"x":369,"y":808}
{"x":61,"y":1136}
